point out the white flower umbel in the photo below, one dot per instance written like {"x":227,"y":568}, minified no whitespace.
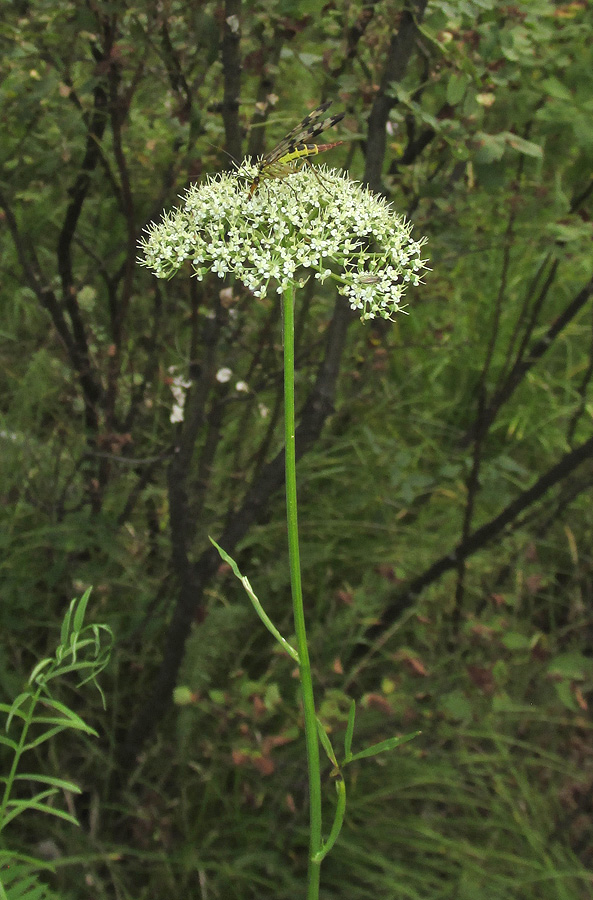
{"x":312,"y":222}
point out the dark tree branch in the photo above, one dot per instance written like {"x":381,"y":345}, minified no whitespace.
{"x":78,"y":193}
{"x":480,"y":432}
{"x":398,"y":57}
{"x":231,"y":67}
{"x":406,"y":595}
{"x":47,"y":300}
{"x":523,"y":365}
{"x":355,"y":34}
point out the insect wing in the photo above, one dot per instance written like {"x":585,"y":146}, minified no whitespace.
{"x":297,"y":145}
{"x":304,"y":132}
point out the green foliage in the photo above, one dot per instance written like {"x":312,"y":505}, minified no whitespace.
{"x":41,"y":717}
{"x":19,"y":882}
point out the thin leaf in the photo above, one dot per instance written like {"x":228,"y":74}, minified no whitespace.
{"x":42,"y":738}
{"x":14,"y":707}
{"x":326,"y":743}
{"x":382,"y":746}
{"x":50,"y":779}
{"x":349,"y":732}
{"x":6,"y":708}
{"x":337,"y":823}
{"x":42,"y":664}
{"x":256,"y":604}
{"x":65,"y":630}
{"x":14,"y":808}
{"x":17,"y":807}
{"x":81,"y":610}
{"x":75,"y":720}
{"x":75,"y":666}
{"x":60,"y":725}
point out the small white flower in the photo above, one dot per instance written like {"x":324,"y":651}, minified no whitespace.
{"x":179,"y":388}
{"x":176,"y":414}
{"x":223,"y":375}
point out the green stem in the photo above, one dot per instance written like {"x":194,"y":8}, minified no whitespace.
{"x":18,"y":752}
{"x":297,"y":603}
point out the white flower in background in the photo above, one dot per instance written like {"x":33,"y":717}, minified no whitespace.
{"x":179,"y":388}
{"x":242,"y":387}
{"x":224,"y":375}
{"x":176,"y":414}
{"x":287,"y":230}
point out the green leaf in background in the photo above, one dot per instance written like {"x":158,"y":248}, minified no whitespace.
{"x":571,"y":665}
{"x":512,"y":640}
{"x":557,"y":89}
{"x":455,"y":705}
{"x":456,"y":87}
{"x":565,"y":695}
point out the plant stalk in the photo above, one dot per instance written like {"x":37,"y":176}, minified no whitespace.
{"x":306,"y":680}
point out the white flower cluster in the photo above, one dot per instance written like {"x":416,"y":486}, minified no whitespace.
{"x":316,"y":220}
{"x":179,"y":388}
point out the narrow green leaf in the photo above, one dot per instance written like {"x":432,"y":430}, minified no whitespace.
{"x":50,"y":779}
{"x":65,"y":629}
{"x":256,"y":604}
{"x":326,"y":743}
{"x":15,"y":708}
{"x":46,"y":736}
{"x":18,"y":807}
{"x":76,"y":723}
{"x":6,"y":708}
{"x":60,"y":814}
{"x":14,"y":808}
{"x":80,"y":610}
{"x":337,"y":823}
{"x":41,"y":665}
{"x":349,"y":732}
{"x":73,"y":720}
{"x":76,"y":665}
{"x":382,"y":746}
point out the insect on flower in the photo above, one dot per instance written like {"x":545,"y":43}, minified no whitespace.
{"x":296,"y":148}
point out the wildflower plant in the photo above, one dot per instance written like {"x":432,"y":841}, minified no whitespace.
{"x":315,"y":223}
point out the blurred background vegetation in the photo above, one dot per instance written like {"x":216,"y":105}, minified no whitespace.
{"x":445,"y":459}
